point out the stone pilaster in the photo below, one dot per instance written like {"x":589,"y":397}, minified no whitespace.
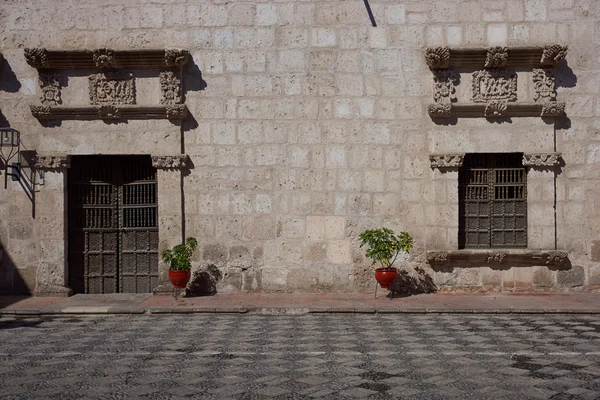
{"x":51,"y":224}
{"x":170,"y":211}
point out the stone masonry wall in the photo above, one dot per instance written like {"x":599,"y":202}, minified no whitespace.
{"x":309,"y":125}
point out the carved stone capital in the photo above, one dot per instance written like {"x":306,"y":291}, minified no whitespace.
{"x":438,"y":57}
{"x":170,"y":162}
{"x":439,"y":110}
{"x":51,"y":90}
{"x":541,"y":159}
{"x":42,"y":112}
{"x":49,"y":163}
{"x":496,"y":57}
{"x":446,"y":160}
{"x":495,"y":109}
{"x":176,"y":58}
{"x":554,"y":53}
{"x":553,"y":109}
{"x":170,"y":86}
{"x":104,"y":58}
{"x":176,"y":111}
{"x":437,"y":257}
{"x":109,"y":112}
{"x":37,"y":58}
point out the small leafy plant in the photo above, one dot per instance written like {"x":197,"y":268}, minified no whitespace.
{"x":179,"y":257}
{"x":383,"y":245}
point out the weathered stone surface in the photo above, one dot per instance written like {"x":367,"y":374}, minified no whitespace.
{"x":595,"y":253}
{"x":571,"y":278}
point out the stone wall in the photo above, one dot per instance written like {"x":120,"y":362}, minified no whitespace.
{"x":308,"y":125}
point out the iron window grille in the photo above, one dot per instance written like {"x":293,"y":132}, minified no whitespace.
{"x":493,"y":201}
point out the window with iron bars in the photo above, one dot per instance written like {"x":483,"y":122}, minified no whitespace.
{"x":492,"y":201}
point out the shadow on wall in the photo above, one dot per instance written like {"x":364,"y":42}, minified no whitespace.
{"x":12,"y":283}
{"x":410,"y":284}
{"x":204,"y":281}
{"x":8,"y":79}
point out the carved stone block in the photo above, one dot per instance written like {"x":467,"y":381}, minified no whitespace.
{"x":496,"y":57}
{"x":176,"y":58}
{"x":54,"y":162}
{"x":541,"y":159}
{"x":444,"y":86}
{"x":178,"y":111}
{"x":439,"y":110}
{"x":170,"y":86}
{"x":170,"y":162}
{"x":446,"y":160}
{"x":553,"y":109}
{"x":494,"y":85}
{"x":104,"y":58}
{"x":51,"y":90}
{"x":41,"y":112}
{"x":544,"y":85}
{"x":438,"y":57}
{"x":37,"y":58}
{"x":112,"y":88}
{"x":554,"y":53}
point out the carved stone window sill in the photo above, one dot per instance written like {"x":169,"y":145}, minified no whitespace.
{"x":496,"y":257}
{"x":497,"y":110}
{"x":41,"y":58}
{"x":107,"y":113}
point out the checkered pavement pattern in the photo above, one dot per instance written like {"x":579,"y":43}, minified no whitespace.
{"x":315,"y":356}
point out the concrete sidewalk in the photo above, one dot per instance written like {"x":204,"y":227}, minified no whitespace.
{"x":292,"y":304}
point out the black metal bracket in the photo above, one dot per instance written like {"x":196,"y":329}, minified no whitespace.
{"x":371,"y":16}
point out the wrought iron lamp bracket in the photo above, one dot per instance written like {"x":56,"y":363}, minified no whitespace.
{"x":10,"y":146}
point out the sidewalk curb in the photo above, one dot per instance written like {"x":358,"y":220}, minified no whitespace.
{"x":281,"y":311}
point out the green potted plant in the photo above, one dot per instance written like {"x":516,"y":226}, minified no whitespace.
{"x":179,"y":261}
{"x":383,"y":246}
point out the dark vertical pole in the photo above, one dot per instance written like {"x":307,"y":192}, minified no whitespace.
{"x":371,"y":17}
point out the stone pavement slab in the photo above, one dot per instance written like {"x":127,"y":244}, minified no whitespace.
{"x":303,"y":303}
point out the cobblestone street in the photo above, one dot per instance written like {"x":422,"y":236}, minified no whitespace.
{"x":313,"y":356}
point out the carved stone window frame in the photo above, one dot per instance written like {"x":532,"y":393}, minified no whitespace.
{"x":109,"y":62}
{"x":540,"y":60}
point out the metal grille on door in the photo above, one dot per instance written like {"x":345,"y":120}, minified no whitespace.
{"x":113,"y":233}
{"x":493,"y":201}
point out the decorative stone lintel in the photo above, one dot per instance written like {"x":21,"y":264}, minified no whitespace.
{"x":551,"y":109}
{"x":505,"y":257}
{"x":541,"y":159}
{"x":180,"y":161}
{"x":447,"y":160}
{"x":52,"y":162}
{"x":108,"y":112}
{"x":41,"y":58}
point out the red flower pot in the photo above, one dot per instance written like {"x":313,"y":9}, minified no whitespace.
{"x":385,"y":277}
{"x":179,"y":279}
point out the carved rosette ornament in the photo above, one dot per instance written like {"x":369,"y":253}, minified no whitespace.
{"x":37,"y":58}
{"x":51,"y":91}
{"x":438,"y":57}
{"x":496,"y":57}
{"x":112,"y":88}
{"x":554,"y":53}
{"x":41,"y":112}
{"x":544,"y":85}
{"x":52,"y":163}
{"x":553,"y":109}
{"x":437,"y":257}
{"x":176,"y":58}
{"x":170,"y":162}
{"x":109,"y":112}
{"x":541,"y":159}
{"x":494,"y":85}
{"x":439,"y":110}
{"x":177,"y":111}
{"x":444,"y":86}
{"x":495,"y":109}
{"x":446,"y":160}
{"x":104,"y":58}
{"x":170,"y":86}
